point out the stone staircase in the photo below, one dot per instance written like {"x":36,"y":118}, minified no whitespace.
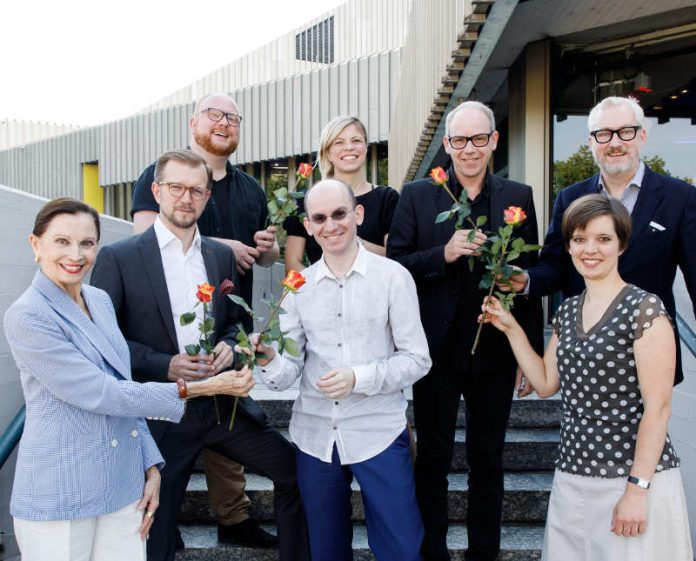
{"x":529,"y":453}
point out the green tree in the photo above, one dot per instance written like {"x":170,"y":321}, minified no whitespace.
{"x":577,"y":167}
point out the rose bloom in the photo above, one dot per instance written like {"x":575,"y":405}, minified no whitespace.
{"x":205,"y":292}
{"x":293,"y":281}
{"x":514,"y":215}
{"x":304,"y":170}
{"x":226,"y":287}
{"x":439,"y":175}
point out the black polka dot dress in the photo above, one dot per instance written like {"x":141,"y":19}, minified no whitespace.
{"x":601,"y":397}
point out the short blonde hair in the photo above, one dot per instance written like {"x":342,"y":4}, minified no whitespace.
{"x":328,"y":135}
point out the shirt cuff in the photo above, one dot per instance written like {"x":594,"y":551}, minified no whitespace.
{"x":525,"y":290}
{"x":270,"y":373}
{"x":364,"y":379}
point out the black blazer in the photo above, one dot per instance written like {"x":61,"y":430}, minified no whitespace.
{"x":663,"y":238}
{"x":418,"y":244}
{"x":131,"y":272}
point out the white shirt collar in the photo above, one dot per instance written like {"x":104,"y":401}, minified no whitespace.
{"x":359,"y":265}
{"x":165,"y":236}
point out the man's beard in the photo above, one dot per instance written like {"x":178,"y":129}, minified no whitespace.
{"x":205,"y":142}
{"x":607,"y":166}
{"x":183,"y":222}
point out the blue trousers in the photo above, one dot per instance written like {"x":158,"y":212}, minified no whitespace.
{"x":394,"y":524}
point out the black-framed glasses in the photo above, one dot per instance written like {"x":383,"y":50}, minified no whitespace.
{"x":602,"y":136}
{"x":337,"y":216}
{"x":216,"y":115}
{"x":177,"y":190}
{"x":478,"y":140}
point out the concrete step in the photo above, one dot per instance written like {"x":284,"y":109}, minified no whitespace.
{"x":526,"y":498}
{"x":518,"y":543}
{"x":525,"y":449}
{"x":525,"y":413}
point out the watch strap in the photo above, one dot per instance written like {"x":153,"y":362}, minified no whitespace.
{"x":642,"y":483}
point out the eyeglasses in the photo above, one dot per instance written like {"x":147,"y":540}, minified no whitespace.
{"x":177,"y":190}
{"x":216,"y":115}
{"x":337,"y":216}
{"x":602,"y":136}
{"x":478,"y":140}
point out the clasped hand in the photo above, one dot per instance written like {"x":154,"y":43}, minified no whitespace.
{"x":199,"y":367}
{"x":459,"y":245}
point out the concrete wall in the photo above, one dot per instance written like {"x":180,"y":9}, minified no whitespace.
{"x":17,"y":212}
{"x":684,"y":409}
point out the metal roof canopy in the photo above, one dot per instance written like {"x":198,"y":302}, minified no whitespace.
{"x":587,"y":24}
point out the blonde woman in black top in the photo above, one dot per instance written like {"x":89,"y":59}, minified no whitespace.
{"x":343,"y":155}
{"x":617,"y":492}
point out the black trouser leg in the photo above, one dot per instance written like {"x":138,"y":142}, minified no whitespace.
{"x":488,"y":397}
{"x":435,"y":403}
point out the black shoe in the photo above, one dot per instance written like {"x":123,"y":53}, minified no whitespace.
{"x":179,"y":541}
{"x":247,"y":533}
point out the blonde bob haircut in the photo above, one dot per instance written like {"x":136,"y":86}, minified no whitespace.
{"x":328,"y":135}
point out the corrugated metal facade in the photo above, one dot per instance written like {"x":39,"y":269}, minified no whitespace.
{"x":433,"y":30}
{"x":16,"y":133}
{"x":359,"y":28}
{"x":282,"y":118}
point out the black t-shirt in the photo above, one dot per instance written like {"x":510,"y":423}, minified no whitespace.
{"x":236,"y":210}
{"x":379,"y":203}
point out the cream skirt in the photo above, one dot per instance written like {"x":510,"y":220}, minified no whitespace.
{"x":579,"y":521}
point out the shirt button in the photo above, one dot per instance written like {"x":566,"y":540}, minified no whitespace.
{"x":340,"y":286}
{"x":134,"y":433}
{"x":114,"y":443}
{"x":339,"y":344}
{"x":335,"y":428}
{"x":335,"y":402}
{"x":339,"y":314}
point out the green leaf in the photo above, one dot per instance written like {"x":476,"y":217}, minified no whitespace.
{"x":470,"y":262}
{"x":192,"y":350}
{"x":291,"y":346}
{"x":297,"y":195}
{"x":272,"y":207}
{"x":207,"y":326}
{"x":481,"y":220}
{"x":531,"y":247}
{"x":207,"y":347}
{"x":512,"y":256}
{"x":280,"y":193}
{"x":517,"y":244}
{"x":446,"y":215}
{"x":240,"y":302}
{"x":187,"y":318}
{"x":274,"y":333}
{"x":486,"y":281}
{"x":471,"y":235}
{"x":465,"y":211}
{"x":497,"y":245}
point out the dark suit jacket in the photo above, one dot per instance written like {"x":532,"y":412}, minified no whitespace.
{"x":652,"y":257}
{"x":418,"y":244}
{"x":131,"y":272}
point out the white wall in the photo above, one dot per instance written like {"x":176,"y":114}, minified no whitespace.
{"x":17,"y":212}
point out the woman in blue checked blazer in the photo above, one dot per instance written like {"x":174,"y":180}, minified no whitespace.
{"x":87,"y":466}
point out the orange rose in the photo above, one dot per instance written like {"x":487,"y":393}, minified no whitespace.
{"x":304,"y":170}
{"x":205,"y":292}
{"x":293,"y":281}
{"x":514,"y":215}
{"x":439,"y":176}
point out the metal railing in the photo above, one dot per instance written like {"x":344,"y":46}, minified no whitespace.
{"x":686,"y":334}
{"x":11,"y":436}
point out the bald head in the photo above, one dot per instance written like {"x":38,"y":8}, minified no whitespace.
{"x":215,"y":100}
{"x":331,"y":186}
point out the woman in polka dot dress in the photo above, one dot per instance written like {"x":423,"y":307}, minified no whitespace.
{"x":617,"y":492}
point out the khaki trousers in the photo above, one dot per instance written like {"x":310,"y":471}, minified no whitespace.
{"x":226,"y":483}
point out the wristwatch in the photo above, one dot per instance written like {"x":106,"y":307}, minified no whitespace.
{"x":642,"y":483}
{"x":181,"y":385}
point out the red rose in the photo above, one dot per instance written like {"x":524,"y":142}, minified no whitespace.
{"x":514,"y":215}
{"x":293,"y":281}
{"x":205,"y":292}
{"x":439,"y":176}
{"x":226,"y":287}
{"x":304,"y":170}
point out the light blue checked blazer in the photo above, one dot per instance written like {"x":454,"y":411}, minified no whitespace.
{"x":85,"y":446}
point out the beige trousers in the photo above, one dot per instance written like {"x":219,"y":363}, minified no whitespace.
{"x":109,"y":537}
{"x":226,"y":483}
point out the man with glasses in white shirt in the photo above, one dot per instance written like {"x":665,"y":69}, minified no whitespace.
{"x":235,"y":216}
{"x":357,"y":325}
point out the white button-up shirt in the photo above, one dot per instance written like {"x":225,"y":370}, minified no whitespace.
{"x":183,"y":273}
{"x":368,"y":321}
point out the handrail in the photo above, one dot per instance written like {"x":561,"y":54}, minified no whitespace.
{"x":11,"y":436}
{"x":686,"y":334}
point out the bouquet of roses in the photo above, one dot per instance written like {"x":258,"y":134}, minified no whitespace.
{"x":499,"y":250}
{"x":270,"y":332}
